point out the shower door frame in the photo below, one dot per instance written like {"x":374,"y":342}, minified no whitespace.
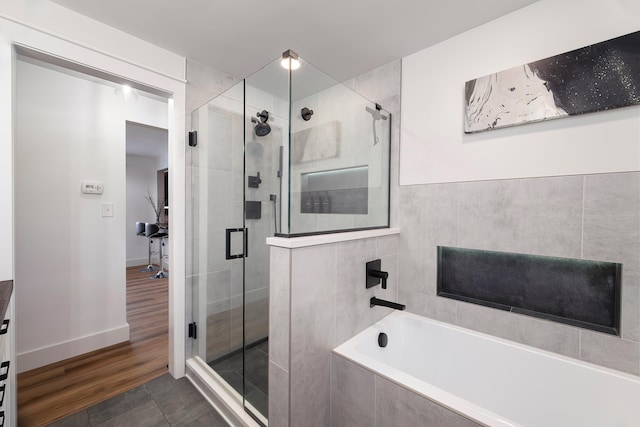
{"x":200,"y":366}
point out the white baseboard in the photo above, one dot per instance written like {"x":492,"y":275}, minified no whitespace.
{"x":144,"y":262}
{"x":64,"y":350}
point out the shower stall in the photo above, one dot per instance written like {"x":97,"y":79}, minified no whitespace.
{"x":286,"y":152}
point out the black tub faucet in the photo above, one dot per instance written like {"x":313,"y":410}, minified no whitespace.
{"x":375,"y":274}
{"x":384,"y":303}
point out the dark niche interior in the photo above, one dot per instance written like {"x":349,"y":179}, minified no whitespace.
{"x":577,"y":292}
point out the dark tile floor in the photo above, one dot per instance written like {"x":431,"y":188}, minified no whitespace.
{"x":257,"y":374}
{"x":161,"y":402}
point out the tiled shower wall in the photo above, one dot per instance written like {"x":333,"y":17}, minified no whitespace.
{"x":339,"y":118}
{"x":318,"y":301}
{"x":594,"y":217}
{"x":382,"y":85}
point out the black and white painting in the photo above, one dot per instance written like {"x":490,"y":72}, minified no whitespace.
{"x":594,"y":78}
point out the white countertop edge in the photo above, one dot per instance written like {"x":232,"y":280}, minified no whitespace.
{"x":323,"y":239}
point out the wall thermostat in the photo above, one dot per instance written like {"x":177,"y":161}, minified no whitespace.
{"x":92,"y":188}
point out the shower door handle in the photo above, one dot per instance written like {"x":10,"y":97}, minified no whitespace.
{"x":228,"y":243}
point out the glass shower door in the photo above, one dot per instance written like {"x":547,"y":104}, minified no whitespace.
{"x":217,"y":234}
{"x":236,"y":187}
{"x":266,"y":134}
{"x":284,"y":152}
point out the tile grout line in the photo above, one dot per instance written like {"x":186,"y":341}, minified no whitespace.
{"x":157,"y":404}
{"x":456,"y":303}
{"x":290,"y":294}
{"x":457,"y":214}
{"x":375,"y":399}
{"x":335,"y":305}
{"x":584,"y":189}
{"x":335,"y":329}
{"x":580,"y":344}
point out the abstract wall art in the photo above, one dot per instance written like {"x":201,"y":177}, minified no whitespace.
{"x":594,"y":78}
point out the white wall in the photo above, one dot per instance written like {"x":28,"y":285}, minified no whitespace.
{"x":434,"y":147}
{"x":586,"y":214}
{"x":162,"y":162}
{"x":141,"y":179}
{"x":70,"y":260}
{"x":41,"y":25}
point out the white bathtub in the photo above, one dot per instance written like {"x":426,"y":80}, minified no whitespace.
{"x":494,"y":381}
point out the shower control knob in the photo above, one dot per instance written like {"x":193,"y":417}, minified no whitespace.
{"x":306,"y":114}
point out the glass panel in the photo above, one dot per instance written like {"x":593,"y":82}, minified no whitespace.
{"x":266,"y":133}
{"x":339,"y":163}
{"x":281,"y":153}
{"x":216,"y":191}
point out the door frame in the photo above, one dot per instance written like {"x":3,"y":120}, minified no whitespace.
{"x":89,"y":60}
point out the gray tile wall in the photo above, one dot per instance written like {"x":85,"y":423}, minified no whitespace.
{"x":279,"y":297}
{"x":279,"y":334}
{"x":278,"y":396}
{"x":353,"y":400}
{"x":313,"y":311}
{"x":328,"y":304}
{"x":590,"y":217}
{"x":361,"y":398}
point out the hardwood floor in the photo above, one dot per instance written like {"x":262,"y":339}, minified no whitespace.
{"x":51,"y":392}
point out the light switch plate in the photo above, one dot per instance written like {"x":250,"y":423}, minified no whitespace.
{"x":107,"y":209}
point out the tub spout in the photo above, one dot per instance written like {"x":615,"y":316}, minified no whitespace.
{"x":384,"y":303}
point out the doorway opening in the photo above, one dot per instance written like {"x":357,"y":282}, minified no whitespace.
{"x":79,"y":314}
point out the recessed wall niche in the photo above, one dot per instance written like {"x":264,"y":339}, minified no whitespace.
{"x":337,"y":191}
{"x":577,"y":292}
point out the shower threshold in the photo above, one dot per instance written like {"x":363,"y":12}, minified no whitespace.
{"x":229,"y":367}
